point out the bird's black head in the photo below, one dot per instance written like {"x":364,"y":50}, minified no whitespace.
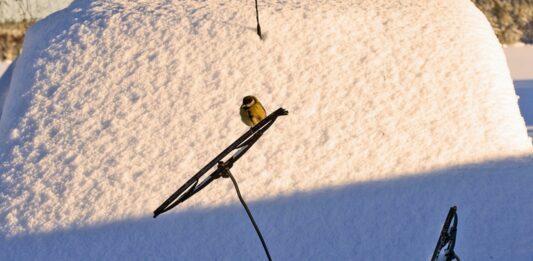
{"x":248,"y":101}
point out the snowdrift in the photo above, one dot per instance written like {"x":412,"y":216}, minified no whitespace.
{"x":114,"y":103}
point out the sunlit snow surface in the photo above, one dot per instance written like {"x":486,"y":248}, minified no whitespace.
{"x":113,"y":104}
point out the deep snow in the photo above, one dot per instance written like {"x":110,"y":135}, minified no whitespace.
{"x":113,"y":104}
{"x":520,"y":59}
{"x":396,"y":219}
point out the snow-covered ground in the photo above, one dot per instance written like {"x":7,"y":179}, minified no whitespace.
{"x":520,"y":60}
{"x":3,"y":66}
{"x":396,"y":219}
{"x":115,"y":103}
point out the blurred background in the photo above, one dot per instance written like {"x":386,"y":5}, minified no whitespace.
{"x":15,"y":18}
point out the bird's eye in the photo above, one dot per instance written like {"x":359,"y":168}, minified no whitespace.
{"x":247,"y":100}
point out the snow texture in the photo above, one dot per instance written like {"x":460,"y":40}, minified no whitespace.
{"x":114,"y":104}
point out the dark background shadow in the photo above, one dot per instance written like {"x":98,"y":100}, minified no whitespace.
{"x":398,"y":219}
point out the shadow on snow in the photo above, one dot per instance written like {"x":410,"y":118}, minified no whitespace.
{"x":524,"y":89}
{"x":398,"y":219}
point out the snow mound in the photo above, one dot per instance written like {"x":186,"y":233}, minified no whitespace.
{"x":115,"y":103}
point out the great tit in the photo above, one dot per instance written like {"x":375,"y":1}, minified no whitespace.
{"x":252,"y":112}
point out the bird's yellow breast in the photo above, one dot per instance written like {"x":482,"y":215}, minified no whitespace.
{"x":253,"y":114}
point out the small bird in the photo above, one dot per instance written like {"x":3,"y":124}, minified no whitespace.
{"x":252,"y":112}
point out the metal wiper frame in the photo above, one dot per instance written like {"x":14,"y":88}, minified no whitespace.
{"x":240,"y":146}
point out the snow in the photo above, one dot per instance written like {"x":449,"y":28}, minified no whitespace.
{"x":398,"y":110}
{"x":3,"y":66}
{"x":6,"y":70}
{"x":397,"y":219}
{"x":520,"y":61}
